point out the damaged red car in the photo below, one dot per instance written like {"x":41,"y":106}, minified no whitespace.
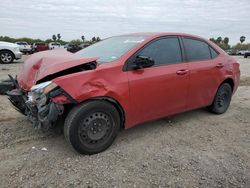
{"x":120,"y":82}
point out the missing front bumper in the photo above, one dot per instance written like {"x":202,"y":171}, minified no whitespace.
{"x":41,"y":116}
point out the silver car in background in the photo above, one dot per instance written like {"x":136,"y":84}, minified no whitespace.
{"x":9,"y":52}
{"x":24,"y":47}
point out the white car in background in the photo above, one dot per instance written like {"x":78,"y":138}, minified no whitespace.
{"x":24,"y":47}
{"x":240,"y":52}
{"x":54,"y":45}
{"x":9,"y":52}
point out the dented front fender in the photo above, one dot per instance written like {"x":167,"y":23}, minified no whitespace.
{"x":102,"y":82}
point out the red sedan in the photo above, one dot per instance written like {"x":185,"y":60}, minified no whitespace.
{"x":38,"y":47}
{"x":123,"y":81}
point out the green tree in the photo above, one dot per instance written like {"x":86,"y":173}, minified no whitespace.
{"x":218,"y":40}
{"x":226,"y":40}
{"x":93,"y":39}
{"x":48,"y":40}
{"x":31,"y":40}
{"x":58,"y":36}
{"x":98,"y":39}
{"x":83,"y":38}
{"x":76,"y":42}
{"x":54,"y":37}
{"x":242,"y":39}
{"x":213,"y":40}
{"x":240,"y":46}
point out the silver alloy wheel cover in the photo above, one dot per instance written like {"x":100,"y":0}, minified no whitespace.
{"x":6,"y":57}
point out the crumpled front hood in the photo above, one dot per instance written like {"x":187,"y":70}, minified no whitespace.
{"x":42,"y":64}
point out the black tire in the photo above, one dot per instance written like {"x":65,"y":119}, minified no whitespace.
{"x":6,"y":57}
{"x":91,"y":127}
{"x":222,"y":99}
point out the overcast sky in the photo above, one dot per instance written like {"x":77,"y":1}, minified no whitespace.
{"x":73,"y":18}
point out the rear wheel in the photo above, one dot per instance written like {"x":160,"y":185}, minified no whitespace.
{"x":222,"y":99}
{"x":92,"y":127}
{"x":6,"y":57}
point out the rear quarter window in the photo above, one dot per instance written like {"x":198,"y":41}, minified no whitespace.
{"x":214,"y":54}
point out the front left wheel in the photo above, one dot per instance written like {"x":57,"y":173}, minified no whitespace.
{"x":91,"y":127}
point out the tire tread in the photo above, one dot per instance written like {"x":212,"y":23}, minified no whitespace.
{"x":75,"y":113}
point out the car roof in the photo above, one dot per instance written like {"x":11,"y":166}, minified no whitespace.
{"x":152,"y":35}
{"x":159,"y":34}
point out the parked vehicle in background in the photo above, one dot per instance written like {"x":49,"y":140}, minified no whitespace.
{"x":9,"y":52}
{"x":84,"y":45}
{"x":121,"y":82}
{"x":229,"y":52}
{"x":247,"y":53}
{"x":240,"y":52}
{"x":72,"y":48}
{"x":24,"y":47}
{"x":40,"y":46}
{"x":54,"y":45}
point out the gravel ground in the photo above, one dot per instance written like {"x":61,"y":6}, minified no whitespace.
{"x":192,"y":149}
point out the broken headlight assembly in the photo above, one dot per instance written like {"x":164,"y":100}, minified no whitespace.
{"x":38,"y":93}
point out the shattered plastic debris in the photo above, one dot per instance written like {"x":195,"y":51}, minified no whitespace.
{"x":33,"y":147}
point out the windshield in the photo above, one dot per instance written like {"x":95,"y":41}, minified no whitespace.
{"x":112,"y":48}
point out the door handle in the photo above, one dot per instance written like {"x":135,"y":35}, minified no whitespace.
{"x":182,"y":72}
{"x":220,"y":65}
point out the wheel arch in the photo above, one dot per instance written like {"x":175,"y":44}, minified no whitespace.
{"x":3,"y":50}
{"x":230,"y":81}
{"x":113,"y":102}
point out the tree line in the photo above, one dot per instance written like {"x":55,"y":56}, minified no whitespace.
{"x":224,"y":43}
{"x":54,"y":38}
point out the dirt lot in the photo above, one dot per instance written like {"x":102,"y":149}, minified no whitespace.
{"x":193,"y":149}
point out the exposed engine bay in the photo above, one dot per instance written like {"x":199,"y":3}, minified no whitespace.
{"x":44,"y":103}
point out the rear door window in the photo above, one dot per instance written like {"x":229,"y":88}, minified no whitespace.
{"x":196,"y":50}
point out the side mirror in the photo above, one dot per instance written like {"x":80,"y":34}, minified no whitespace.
{"x":143,"y":62}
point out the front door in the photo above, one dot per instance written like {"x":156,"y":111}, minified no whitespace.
{"x":159,"y":90}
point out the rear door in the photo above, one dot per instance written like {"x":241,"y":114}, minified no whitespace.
{"x":205,"y":73}
{"x":162,"y":89}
